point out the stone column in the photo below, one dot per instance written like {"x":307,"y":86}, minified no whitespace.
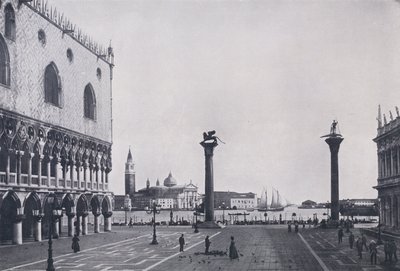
{"x":84,"y":224}
{"x":78,"y":173}
{"x":85,"y":174}
{"x":334,"y":143}
{"x":102,"y":178}
{"x":37,"y":228}
{"x":56,"y":165}
{"x":19,"y":157}
{"x":56,"y":228}
{"x":30,"y":155}
{"x":91,"y":176}
{"x":96,"y":223}
{"x":40,"y":160}
{"x":394,"y":211}
{"x":71,"y":228}
{"x":71,"y":171}
{"x":209,"y":179}
{"x":50,"y":158}
{"x":17,"y":232}
{"x":64,"y":164}
{"x":78,"y":225}
{"x":107,"y":221}
{"x":391,"y":162}
{"x":8,"y":167}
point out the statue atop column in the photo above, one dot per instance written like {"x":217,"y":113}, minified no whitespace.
{"x":333,"y":132}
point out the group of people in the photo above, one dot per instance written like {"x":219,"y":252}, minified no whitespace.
{"x":233,"y":253}
{"x":296,"y":227}
{"x":390,"y":247}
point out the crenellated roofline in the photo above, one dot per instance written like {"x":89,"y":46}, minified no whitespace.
{"x":68,"y":28}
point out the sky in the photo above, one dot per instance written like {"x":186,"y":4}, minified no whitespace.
{"x":268,"y":76}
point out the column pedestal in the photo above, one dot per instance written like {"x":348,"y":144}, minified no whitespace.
{"x":107,"y":221}
{"x":71,"y":229}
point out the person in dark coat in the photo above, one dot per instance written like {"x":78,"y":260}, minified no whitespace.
{"x":181,"y":243}
{"x":207,"y":243}
{"x":351,"y":240}
{"x":289,"y":227}
{"x":373,"y":251}
{"x":75,"y":244}
{"x":386,"y":249}
{"x":340,"y":235}
{"x":359,"y":246}
{"x":393,"y":249}
{"x":296,"y":227}
{"x":233,"y":254}
{"x":364,"y":241}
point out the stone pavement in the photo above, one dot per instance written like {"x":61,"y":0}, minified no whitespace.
{"x":260,"y":247}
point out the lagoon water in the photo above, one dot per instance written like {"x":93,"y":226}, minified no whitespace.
{"x":300,"y":214}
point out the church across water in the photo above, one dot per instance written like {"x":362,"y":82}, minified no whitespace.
{"x":169,"y":194}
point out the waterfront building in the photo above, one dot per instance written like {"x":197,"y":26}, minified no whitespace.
{"x":55,"y":123}
{"x":388,"y":151}
{"x":235,"y":200}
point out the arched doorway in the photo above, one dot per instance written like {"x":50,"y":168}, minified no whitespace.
{"x":9,"y":215}
{"x":32,"y":202}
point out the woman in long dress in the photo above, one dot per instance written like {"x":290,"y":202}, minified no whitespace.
{"x":233,"y":254}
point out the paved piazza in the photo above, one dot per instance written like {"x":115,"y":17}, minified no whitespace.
{"x":260,"y":248}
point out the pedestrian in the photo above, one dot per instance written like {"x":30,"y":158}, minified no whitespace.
{"x":207,"y":243}
{"x":373,"y":251}
{"x":75,"y":244}
{"x":340,"y":235}
{"x":393,"y":249}
{"x":364,"y":241}
{"x":130,"y":223}
{"x":359,"y":246}
{"x":351,"y":240}
{"x":233,"y":254}
{"x":388,"y":254}
{"x":289,"y":227}
{"x":181,"y":243}
{"x":296,"y":227}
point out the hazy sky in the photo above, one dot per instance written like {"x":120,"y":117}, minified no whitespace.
{"x":268,"y":76}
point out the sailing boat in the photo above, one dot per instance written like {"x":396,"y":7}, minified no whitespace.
{"x":276,"y":203}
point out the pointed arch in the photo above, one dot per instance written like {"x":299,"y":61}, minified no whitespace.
{"x":95,"y":205}
{"x":52,"y":85}
{"x":106,"y":206}
{"x":82,"y":205}
{"x":89,"y":102}
{"x":4,"y":63}
{"x":9,"y":22}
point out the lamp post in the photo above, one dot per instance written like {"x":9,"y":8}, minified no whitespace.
{"x":55,"y":213}
{"x":196,"y":230}
{"x":223,"y":212}
{"x":379,"y":242}
{"x":155,"y":209}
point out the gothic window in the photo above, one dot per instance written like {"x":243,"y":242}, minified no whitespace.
{"x":70,"y":55}
{"x":42,"y":37}
{"x":98,"y":73}
{"x":89,"y":102}
{"x":9,"y":22}
{"x":4,"y":63}
{"x":52,"y":85}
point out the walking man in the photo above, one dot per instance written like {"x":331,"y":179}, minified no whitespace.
{"x":208,"y":243}
{"x":393,"y":249}
{"x":351,"y":240}
{"x":364,"y":241}
{"x":359,"y":246}
{"x":340,"y":235}
{"x":181,"y":243}
{"x":373,"y":251}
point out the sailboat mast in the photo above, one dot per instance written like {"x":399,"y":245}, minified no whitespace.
{"x":266,"y":198}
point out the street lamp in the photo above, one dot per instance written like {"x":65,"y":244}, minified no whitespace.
{"x":155,"y":209}
{"x":55,"y":213}
{"x":196,"y":230}
{"x":379,"y":222}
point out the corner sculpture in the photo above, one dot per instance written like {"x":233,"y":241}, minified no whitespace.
{"x":333,"y":140}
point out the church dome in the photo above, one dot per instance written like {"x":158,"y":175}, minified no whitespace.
{"x":169,"y":181}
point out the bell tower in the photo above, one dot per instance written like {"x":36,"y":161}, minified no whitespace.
{"x":129,"y":175}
